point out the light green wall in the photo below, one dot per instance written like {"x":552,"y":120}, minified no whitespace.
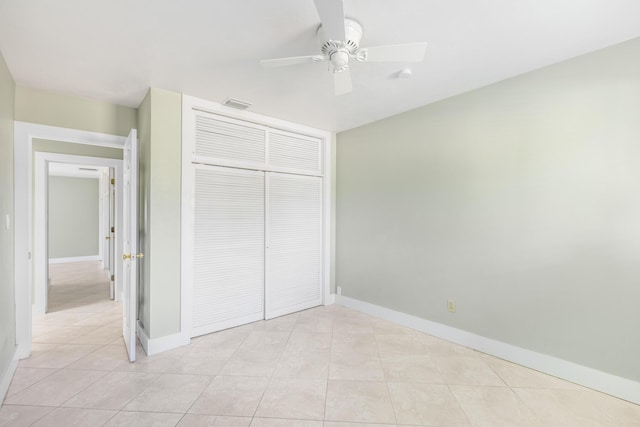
{"x":520,"y":201}
{"x":7,"y":313}
{"x":73,"y":216}
{"x":75,"y":149}
{"x":48,"y":108}
{"x":160,"y":125}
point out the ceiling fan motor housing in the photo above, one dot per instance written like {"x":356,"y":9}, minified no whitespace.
{"x":339,"y":51}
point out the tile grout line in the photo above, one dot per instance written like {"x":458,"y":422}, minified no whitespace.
{"x":326,"y":391}
{"x":458,"y":403}
{"x":29,"y":386}
{"x":273,"y":372}
{"x":384,"y":375}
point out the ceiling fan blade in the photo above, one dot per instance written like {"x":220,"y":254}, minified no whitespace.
{"x":342,"y":82}
{"x":294,"y":60}
{"x":331,"y":14}
{"x":410,"y":52}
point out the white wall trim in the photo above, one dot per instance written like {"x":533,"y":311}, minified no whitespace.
{"x":158,"y":345}
{"x":6,"y":377}
{"x":598,"y":380}
{"x":331,"y":299}
{"x":189,"y":104}
{"x":327,"y":208}
{"x":55,"y":133}
{"x":142,"y":336}
{"x":24,"y":133}
{"x":193,"y":103}
{"x":75,"y":259}
{"x":187,"y":226}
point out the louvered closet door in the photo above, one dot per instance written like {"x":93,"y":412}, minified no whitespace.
{"x":229,"y":248}
{"x":224,"y":141}
{"x":294,"y":243}
{"x":295,"y":152}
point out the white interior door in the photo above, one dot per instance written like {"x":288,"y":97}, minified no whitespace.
{"x":293,"y":243}
{"x":130,"y":254}
{"x":228,"y":257}
{"x":103,"y":234}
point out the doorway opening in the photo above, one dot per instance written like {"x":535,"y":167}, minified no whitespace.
{"x":31,"y":167}
{"x":75,"y":208}
{"x":81,"y":207}
{"x":69,"y":218}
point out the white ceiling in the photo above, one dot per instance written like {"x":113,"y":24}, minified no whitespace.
{"x":114,"y":50}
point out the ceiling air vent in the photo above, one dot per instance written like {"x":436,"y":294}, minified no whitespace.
{"x":236,"y":103}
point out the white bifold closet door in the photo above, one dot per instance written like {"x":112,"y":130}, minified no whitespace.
{"x":229,"y":230}
{"x":293,"y":243}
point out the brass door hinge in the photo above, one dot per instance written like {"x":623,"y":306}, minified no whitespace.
{"x":113,"y":181}
{"x":113,"y":277}
{"x":113,"y":229}
{"x":132,"y":256}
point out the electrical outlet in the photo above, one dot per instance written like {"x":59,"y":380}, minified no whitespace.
{"x":451,"y":306}
{"x":339,"y":290}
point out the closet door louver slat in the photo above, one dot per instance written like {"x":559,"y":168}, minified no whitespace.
{"x":294,"y":243}
{"x":223,"y":141}
{"x":287,"y":150}
{"x":228,"y":248}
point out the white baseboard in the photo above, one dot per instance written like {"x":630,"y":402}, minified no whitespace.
{"x":592,"y":378}
{"x":158,"y":345}
{"x":75,"y":259}
{"x":331,"y":299}
{"x":142,"y":337}
{"x":6,"y":376}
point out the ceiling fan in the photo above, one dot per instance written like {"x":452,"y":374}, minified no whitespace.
{"x":340,"y":41}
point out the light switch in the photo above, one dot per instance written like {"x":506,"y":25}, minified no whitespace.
{"x":7,"y":221}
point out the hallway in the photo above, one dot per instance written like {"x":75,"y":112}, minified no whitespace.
{"x":77,"y":285}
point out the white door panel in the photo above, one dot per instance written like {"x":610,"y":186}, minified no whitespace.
{"x":130,"y":243}
{"x":228,"y":264}
{"x":294,"y":243}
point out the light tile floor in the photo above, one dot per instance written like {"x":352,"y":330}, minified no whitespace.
{"x":328,"y":366}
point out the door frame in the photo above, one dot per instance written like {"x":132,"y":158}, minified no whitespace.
{"x":41,"y":218}
{"x":105,"y":222}
{"x":191,"y":104}
{"x":24,"y":133}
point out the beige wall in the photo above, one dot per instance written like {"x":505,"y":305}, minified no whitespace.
{"x":48,"y":108}
{"x":520,"y":201}
{"x":160,"y":125}
{"x":7,"y":313}
{"x":73,"y":217}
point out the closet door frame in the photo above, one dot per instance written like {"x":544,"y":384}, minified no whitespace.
{"x":192,"y":106}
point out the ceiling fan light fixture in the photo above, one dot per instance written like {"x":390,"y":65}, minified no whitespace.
{"x":339,"y":40}
{"x":237,"y":103}
{"x":339,"y":59}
